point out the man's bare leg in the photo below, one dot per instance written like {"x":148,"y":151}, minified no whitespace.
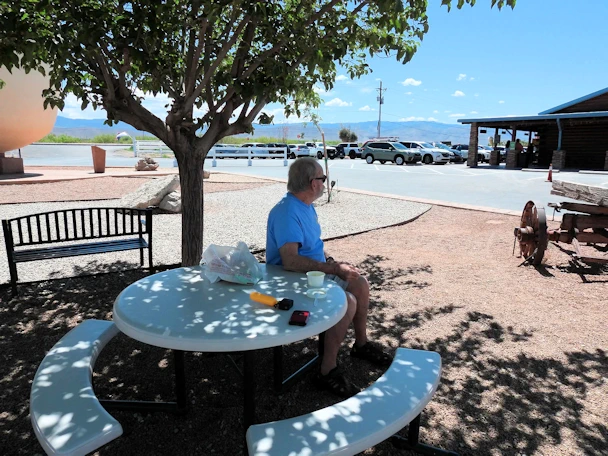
{"x":360,"y":289}
{"x":335,"y":336}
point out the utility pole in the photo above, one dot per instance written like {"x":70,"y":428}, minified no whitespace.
{"x":380,"y":103}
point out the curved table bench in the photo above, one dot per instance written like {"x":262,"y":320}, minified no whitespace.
{"x":65,"y":413}
{"x":395,"y":400}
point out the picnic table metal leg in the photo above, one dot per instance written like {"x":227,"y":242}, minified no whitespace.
{"x":249,"y":388}
{"x":180,"y":382}
{"x":281,"y":385}
{"x":411,"y":443}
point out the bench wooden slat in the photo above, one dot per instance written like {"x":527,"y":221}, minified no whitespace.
{"x":65,"y":413}
{"x":79,"y":249}
{"x":359,"y":422}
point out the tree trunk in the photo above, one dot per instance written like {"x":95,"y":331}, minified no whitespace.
{"x":191,"y":180}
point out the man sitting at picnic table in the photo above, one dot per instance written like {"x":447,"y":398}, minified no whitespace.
{"x":293,"y":240}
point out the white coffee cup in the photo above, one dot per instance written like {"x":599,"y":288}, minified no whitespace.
{"x":315,"y":279}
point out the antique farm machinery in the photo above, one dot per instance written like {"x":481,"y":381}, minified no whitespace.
{"x":583,"y":223}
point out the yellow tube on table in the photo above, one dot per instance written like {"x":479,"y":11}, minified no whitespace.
{"x":263,"y":298}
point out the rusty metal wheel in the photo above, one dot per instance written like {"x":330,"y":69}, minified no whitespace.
{"x":532,"y":233}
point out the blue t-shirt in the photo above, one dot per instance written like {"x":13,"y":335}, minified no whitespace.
{"x":291,"y":220}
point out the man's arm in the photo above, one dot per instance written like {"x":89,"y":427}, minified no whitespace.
{"x":292,"y":261}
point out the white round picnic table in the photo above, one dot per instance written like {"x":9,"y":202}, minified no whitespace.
{"x":181,"y":309}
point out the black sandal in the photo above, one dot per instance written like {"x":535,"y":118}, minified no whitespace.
{"x":372,"y":353}
{"x":335,"y":382}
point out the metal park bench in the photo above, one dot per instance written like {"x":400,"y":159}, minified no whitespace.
{"x":71,"y":226}
{"x":395,"y":400}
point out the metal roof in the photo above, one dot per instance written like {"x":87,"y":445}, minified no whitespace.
{"x":540,"y":117}
{"x":573,"y":102}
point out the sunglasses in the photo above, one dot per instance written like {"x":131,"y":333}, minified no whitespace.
{"x":322,"y":179}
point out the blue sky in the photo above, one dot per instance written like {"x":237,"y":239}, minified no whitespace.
{"x":474,"y":62}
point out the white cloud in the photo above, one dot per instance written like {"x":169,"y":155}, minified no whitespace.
{"x":411,"y":119}
{"x":337,"y":102}
{"x":501,"y":101}
{"x":461,"y":76}
{"x":366,"y":108}
{"x":447,"y":111}
{"x":411,"y":82}
{"x":471,"y":79}
{"x":432,"y":119}
{"x":411,"y":102}
{"x":476,"y":95}
{"x":435,"y":112}
{"x":458,"y":93}
{"x":341,"y":78}
{"x":474,"y":112}
{"x":408,"y":93}
{"x":457,"y":115}
{"x":367,"y":89}
{"x":319,"y":89}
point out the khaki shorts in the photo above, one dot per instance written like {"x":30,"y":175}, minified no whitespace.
{"x":342,"y":283}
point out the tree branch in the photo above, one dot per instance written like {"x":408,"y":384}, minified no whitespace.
{"x":277,"y":47}
{"x":218,"y":60}
{"x":193,"y":58}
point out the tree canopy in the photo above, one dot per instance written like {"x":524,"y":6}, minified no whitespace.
{"x":219,"y":62}
{"x":347,"y":135}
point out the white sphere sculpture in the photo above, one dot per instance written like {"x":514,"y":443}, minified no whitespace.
{"x":23,"y":118}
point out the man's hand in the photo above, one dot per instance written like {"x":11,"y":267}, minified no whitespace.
{"x":347,"y":271}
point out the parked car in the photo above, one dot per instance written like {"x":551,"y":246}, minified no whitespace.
{"x":455,"y":157}
{"x":277,"y":148}
{"x":463,"y":149}
{"x":317,"y":148}
{"x":384,"y":151}
{"x":483,"y":154}
{"x":258,"y":149}
{"x":298,"y":150}
{"x":430,"y":154}
{"x":349,"y":149}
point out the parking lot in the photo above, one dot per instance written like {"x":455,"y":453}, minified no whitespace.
{"x":486,"y":186}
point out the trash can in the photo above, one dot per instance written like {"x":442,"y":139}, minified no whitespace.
{"x":522,"y":160}
{"x":99,"y":159}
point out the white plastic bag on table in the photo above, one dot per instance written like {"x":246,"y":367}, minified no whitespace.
{"x":233,"y":264}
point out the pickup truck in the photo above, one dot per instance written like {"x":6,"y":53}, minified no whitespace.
{"x":316,"y":148}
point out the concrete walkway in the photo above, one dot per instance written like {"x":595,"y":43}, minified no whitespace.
{"x":43,"y":174}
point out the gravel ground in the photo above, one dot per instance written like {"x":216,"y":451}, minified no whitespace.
{"x":230,"y":216}
{"x":523,"y":349}
{"x":101,"y":188}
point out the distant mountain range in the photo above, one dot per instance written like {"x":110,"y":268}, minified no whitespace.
{"x":417,"y":130}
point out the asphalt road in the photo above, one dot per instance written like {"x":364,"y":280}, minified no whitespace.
{"x":485,"y":186}
{"x":492,"y":187}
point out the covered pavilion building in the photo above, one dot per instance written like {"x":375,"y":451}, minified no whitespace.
{"x":573,"y":135}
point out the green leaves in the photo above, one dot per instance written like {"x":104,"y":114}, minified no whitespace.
{"x":209,"y":57}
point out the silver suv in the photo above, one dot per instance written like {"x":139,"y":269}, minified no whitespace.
{"x":384,"y":151}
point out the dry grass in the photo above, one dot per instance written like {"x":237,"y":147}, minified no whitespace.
{"x":523,"y":348}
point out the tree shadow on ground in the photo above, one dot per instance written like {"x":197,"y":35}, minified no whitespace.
{"x":508,"y":404}
{"x":517,"y":404}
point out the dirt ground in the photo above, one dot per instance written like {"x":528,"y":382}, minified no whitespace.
{"x":523,"y":348}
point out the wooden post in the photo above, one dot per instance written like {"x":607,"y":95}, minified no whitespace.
{"x":473,"y":142}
